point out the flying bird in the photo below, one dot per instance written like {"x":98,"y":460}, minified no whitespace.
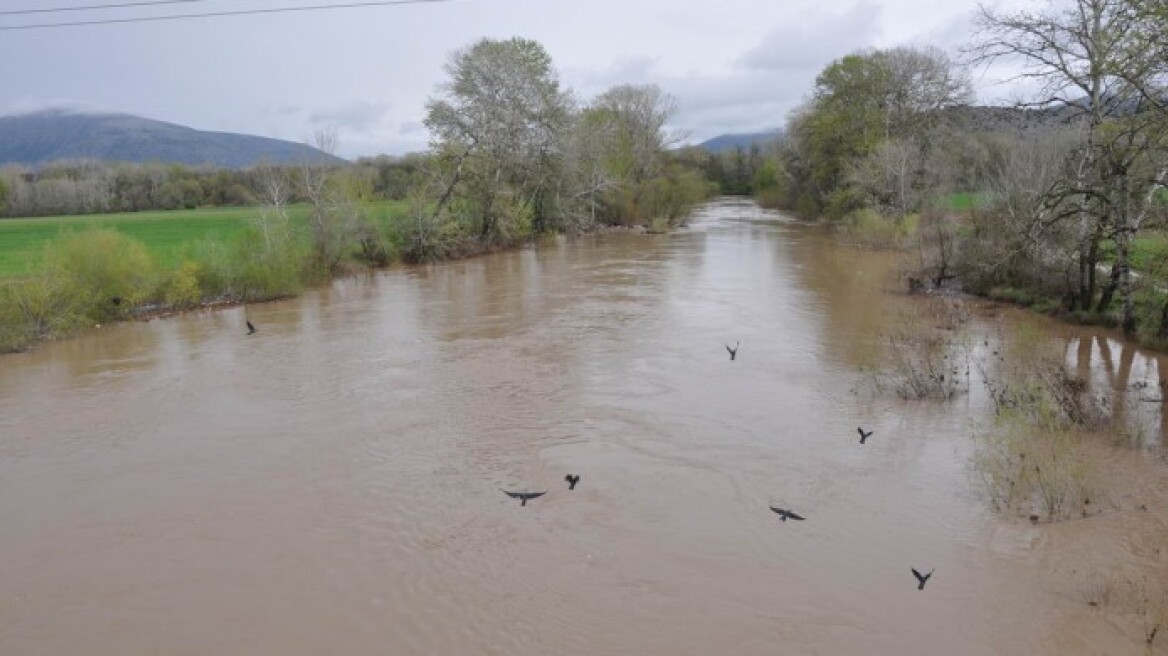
{"x":784,"y":515}
{"x":863,"y":435}
{"x":572,"y":481}
{"x":922,"y":578}
{"x":250,"y":328}
{"x":733,"y":351}
{"x":523,"y":497}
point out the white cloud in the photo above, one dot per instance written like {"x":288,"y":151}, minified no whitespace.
{"x":733,"y":65}
{"x":811,"y":43}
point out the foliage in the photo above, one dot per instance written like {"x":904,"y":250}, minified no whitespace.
{"x":495,"y":130}
{"x":181,"y":289}
{"x":867,"y":227}
{"x":110,"y":272}
{"x":860,"y":102}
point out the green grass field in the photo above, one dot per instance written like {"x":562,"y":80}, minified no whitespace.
{"x":165,"y":234}
{"x":1148,"y":251}
{"x":965,"y":201}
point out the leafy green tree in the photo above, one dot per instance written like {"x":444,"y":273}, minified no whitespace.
{"x":496,"y":127}
{"x":859,"y":102}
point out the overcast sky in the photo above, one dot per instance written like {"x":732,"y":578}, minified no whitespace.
{"x":733,"y":65}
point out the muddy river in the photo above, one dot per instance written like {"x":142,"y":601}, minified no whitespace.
{"x":331,"y":484}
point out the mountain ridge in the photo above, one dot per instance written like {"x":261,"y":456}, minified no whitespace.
{"x":37,"y":138}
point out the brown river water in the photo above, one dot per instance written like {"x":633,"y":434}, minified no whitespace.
{"x":331,"y":485}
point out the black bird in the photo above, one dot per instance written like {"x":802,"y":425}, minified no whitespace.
{"x":784,"y":515}
{"x":922,"y":578}
{"x":523,"y":496}
{"x":863,"y":435}
{"x":572,"y":481}
{"x":733,"y":351}
{"x":117,"y":300}
{"x":250,"y":328}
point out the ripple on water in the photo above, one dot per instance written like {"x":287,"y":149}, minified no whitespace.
{"x":334,"y":483}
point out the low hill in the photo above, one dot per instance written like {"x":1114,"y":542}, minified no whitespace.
{"x":45,"y":136}
{"x":725,"y":142}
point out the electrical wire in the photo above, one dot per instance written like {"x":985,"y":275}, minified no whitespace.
{"x":214,"y":14}
{"x":119,"y":5}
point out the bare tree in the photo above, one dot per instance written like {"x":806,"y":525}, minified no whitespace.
{"x":1088,"y":62}
{"x":333,"y":220}
{"x":275,"y":190}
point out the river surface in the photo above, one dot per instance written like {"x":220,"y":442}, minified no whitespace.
{"x":332,"y":483}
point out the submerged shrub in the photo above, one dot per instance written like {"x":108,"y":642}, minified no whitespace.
{"x":1027,"y":469}
{"x":926,"y":356}
{"x":1032,"y":460}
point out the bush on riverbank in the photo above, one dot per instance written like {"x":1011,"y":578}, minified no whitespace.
{"x":100,"y":275}
{"x":870,"y":228}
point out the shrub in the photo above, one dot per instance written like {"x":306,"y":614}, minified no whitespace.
{"x":1029,"y":469}
{"x":266,"y":269}
{"x":182,"y":289}
{"x":927,"y":356}
{"x":38,"y":307}
{"x":108,"y":272}
{"x":868,"y":227}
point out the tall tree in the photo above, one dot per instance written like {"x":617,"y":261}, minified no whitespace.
{"x":862,"y":100}
{"x":496,"y":128}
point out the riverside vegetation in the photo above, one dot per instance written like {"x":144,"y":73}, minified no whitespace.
{"x":1057,"y":203}
{"x":573,"y":167}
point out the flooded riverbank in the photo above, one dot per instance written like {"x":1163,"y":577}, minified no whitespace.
{"x":332,"y":482}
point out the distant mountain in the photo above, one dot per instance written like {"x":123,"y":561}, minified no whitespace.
{"x":50,"y":135}
{"x":726,"y":142}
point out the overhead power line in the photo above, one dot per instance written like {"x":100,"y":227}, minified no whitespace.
{"x":119,"y":5}
{"x":215,"y":14}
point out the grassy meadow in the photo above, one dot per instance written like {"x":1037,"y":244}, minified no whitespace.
{"x":60,"y":274}
{"x":165,"y":234}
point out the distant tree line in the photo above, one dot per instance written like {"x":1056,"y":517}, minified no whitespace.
{"x":1058,"y":201}
{"x":93,"y":187}
{"x":738,"y":171}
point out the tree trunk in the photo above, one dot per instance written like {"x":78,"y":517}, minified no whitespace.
{"x":1123,"y":263}
{"x":1162,"y":332}
{"x":1091,"y":264}
{"x":1109,"y":290}
{"x":453,"y":183}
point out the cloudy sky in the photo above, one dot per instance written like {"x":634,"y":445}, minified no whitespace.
{"x":733,"y":65}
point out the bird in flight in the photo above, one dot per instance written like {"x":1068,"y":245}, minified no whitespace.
{"x":250,"y":327}
{"x":572,"y":481}
{"x":784,"y":515}
{"x":733,"y":351}
{"x":523,"y":497}
{"x":922,"y":578}
{"x":863,"y":435}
